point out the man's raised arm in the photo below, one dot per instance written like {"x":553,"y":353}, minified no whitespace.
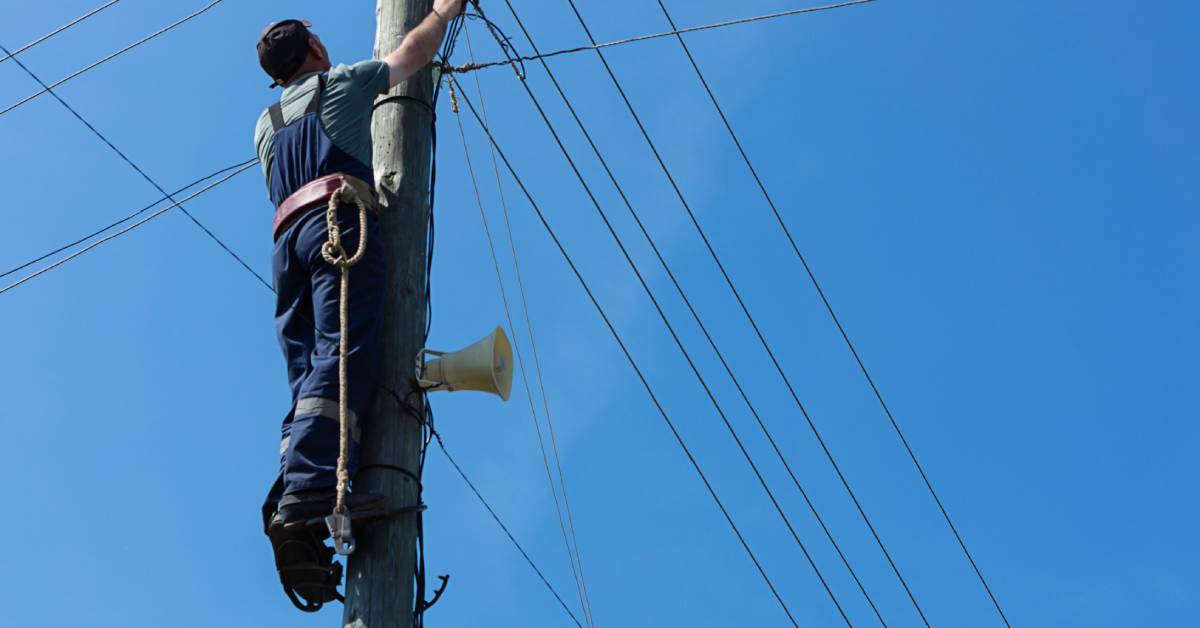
{"x":422,"y":42}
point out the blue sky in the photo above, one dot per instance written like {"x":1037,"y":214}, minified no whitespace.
{"x":999,"y":199}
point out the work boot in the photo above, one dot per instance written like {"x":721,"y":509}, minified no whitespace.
{"x":307,"y":571}
{"x":317,"y":503}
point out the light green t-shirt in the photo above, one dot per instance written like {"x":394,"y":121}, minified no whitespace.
{"x":346,"y":105}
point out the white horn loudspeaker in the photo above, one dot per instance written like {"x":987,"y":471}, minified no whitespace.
{"x":486,"y":366}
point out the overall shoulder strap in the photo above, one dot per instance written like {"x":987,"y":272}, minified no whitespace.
{"x":276,"y":113}
{"x":314,"y":105}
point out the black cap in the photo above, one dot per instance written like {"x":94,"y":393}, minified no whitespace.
{"x":282,"y":49}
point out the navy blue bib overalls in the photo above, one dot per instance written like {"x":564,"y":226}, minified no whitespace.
{"x":306,"y":306}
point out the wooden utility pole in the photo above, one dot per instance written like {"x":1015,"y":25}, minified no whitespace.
{"x":379,"y":580}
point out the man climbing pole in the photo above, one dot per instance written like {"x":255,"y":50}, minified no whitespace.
{"x":315,"y":149}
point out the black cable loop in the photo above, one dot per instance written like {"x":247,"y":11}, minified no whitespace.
{"x":405,"y":98}
{"x":415,"y":477}
{"x":511,"y":55}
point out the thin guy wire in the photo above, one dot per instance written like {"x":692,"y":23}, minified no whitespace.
{"x":683,"y":350}
{"x":138,"y":169}
{"x":678,"y":342}
{"x":629,"y":358}
{"x":703,"y":328}
{"x":123,"y":220}
{"x":122,"y":232}
{"x":521,"y":365}
{"x":537,"y":362}
{"x":746,"y":310}
{"x":496,"y":517}
{"x":620,"y":42}
{"x":829,"y":308}
{"x":46,"y":88}
{"x":58,"y":30}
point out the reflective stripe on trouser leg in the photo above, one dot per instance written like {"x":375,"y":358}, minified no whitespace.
{"x":310,"y":451}
{"x":319,"y":406}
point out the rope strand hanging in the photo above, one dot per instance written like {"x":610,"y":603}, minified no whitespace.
{"x":335,"y":255}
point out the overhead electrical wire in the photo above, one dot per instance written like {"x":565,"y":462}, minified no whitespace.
{"x":675,"y":336}
{"x":517,"y":59}
{"x":141,"y":172}
{"x":575,"y":571}
{"x":58,"y":30}
{"x":46,"y":89}
{"x":595,"y":46}
{"x":562,"y":481}
{"x":438,"y":438}
{"x":628,"y":356}
{"x":537,"y":363}
{"x":117,"y":234}
{"x":671,"y":330}
{"x":829,"y":307}
{"x":750,"y":318}
{"x":123,"y":220}
{"x":700,"y":323}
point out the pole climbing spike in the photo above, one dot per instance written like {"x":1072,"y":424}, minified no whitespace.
{"x":339,"y":530}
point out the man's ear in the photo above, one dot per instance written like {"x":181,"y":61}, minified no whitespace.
{"x":315,"y":49}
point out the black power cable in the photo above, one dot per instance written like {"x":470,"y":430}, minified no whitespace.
{"x":683,"y":350}
{"x":46,"y":89}
{"x":628,"y":356}
{"x":139,"y":170}
{"x":124,"y":219}
{"x":532,"y":339}
{"x":700,"y":323}
{"x":520,"y":59}
{"x":58,"y":30}
{"x":829,"y":308}
{"x":742,"y":304}
{"x":574,"y":560}
{"x":419,"y":576}
{"x":438,"y":438}
{"x":128,"y":229}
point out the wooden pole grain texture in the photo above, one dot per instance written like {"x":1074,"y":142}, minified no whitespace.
{"x":379,"y":579}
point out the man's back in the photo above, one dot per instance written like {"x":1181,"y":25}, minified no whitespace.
{"x":345,"y":113}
